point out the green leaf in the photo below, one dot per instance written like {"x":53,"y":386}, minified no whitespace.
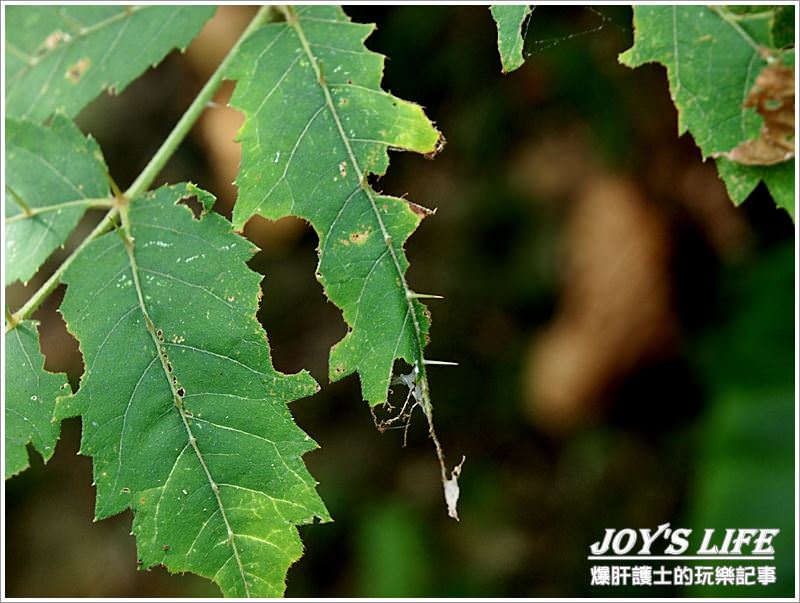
{"x":710,"y":65}
{"x":317,"y":124}
{"x":59,"y":58}
{"x":50,"y":175}
{"x":741,"y":180}
{"x":511,"y":20}
{"x":183,"y":413}
{"x":713,"y":57}
{"x":30,"y":396}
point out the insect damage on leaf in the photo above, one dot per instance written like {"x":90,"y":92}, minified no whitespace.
{"x":773,"y":97}
{"x":183,"y":413}
{"x":307,"y":153}
{"x":317,"y":125}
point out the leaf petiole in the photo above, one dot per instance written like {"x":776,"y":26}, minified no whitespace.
{"x":51,"y":283}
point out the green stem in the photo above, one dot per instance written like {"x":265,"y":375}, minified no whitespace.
{"x":51,"y":283}
{"x":35,"y":211}
{"x":184,"y":125}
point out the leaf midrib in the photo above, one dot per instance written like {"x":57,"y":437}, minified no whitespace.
{"x":294,"y":22}
{"x":151,"y":330}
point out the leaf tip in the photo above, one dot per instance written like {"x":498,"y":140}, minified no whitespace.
{"x":440,"y":143}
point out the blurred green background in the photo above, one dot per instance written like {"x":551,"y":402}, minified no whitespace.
{"x":625,"y":337}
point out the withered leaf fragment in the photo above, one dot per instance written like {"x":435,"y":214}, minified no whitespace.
{"x":772,"y":96}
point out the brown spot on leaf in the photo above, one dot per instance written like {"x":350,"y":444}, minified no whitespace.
{"x":359,"y":238}
{"x":76,"y":71}
{"x":772,"y":96}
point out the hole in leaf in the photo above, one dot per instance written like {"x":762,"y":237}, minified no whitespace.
{"x":193,"y":204}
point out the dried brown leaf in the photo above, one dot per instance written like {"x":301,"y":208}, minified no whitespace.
{"x":773,"y":97}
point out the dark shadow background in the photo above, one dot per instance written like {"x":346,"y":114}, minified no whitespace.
{"x":624,"y":335}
